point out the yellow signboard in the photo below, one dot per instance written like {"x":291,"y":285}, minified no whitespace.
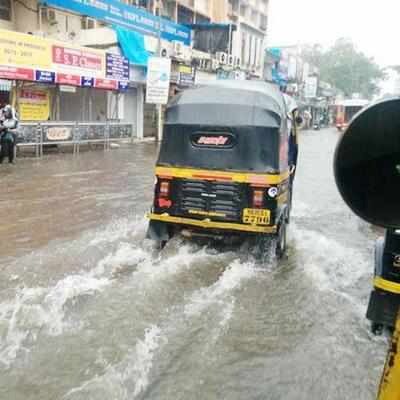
{"x":34,"y":104}
{"x":22,"y":50}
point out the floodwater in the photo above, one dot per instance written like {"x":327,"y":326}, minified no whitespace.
{"x":89,"y":312}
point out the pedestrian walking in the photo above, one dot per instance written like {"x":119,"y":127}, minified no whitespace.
{"x":8,"y":126}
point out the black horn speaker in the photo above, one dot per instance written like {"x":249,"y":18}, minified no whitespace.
{"x":367,"y":164}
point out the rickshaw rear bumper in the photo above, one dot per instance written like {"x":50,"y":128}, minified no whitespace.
{"x":208,"y":224}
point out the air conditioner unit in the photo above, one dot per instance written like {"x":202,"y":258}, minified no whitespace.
{"x":178,"y":49}
{"x":237,"y":62}
{"x":164,"y":52}
{"x":88,"y":23}
{"x":231,"y":60}
{"x":222,"y":58}
{"x":48,"y":15}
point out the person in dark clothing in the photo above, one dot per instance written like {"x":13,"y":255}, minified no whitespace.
{"x":8,"y":125}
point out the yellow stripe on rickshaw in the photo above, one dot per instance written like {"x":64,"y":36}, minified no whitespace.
{"x":239,"y":177}
{"x":208,"y":224}
{"x":386,"y":285}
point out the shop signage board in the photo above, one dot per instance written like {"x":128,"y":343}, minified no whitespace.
{"x":30,"y":58}
{"x":127,"y":16}
{"x":34,"y":104}
{"x":45,"y":76}
{"x":186,"y":75}
{"x":158,"y":79}
{"x":87,"y":81}
{"x":67,"y":89}
{"x":311,"y":87}
{"x":117,"y":67}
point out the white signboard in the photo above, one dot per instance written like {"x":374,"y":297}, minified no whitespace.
{"x":158,"y":78}
{"x":311,"y":87}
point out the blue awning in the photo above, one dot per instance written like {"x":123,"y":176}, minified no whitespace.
{"x":132,"y":45}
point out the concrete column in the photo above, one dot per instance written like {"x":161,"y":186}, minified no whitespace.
{"x":140,"y":112}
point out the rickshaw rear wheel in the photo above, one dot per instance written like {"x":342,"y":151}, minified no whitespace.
{"x":281,"y":240}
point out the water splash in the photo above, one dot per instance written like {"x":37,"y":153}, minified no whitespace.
{"x":129,"y":378}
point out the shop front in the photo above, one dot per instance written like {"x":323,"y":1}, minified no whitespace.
{"x":52,"y":83}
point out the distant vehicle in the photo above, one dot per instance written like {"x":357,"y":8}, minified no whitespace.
{"x":223,"y":168}
{"x":346,"y":110}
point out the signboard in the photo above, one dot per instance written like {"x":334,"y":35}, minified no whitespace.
{"x":58,"y":133}
{"x":116,"y":12}
{"x":186,"y":75}
{"x":21,"y":50}
{"x":31,"y":58}
{"x":106,"y":84}
{"x":34,"y":105}
{"x":67,"y":89}
{"x":158,"y":78}
{"x":45,"y":76}
{"x":311,"y":87}
{"x":117,"y":67}
{"x":78,"y":60}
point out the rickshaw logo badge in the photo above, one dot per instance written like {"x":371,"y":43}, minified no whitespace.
{"x":396,"y":261}
{"x":213,"y":140}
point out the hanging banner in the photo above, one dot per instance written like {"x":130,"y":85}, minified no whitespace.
{"x":34,"y":104}
{"x":158,"y":79}
{"x":127,"y":16}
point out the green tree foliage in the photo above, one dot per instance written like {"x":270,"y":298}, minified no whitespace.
{"x":346,"y":68}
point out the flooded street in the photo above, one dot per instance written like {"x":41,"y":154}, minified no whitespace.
{"x":89,"y":311}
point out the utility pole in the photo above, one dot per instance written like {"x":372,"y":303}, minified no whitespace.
{"x":159,"y":106}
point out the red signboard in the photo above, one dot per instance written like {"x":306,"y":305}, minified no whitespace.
{"x":68,"y":79}
{"x":77,"y":58}
{"x":23,"y":74}
{"x":108,"y":84}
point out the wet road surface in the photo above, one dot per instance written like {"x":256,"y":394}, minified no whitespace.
{"x":89,"y":311}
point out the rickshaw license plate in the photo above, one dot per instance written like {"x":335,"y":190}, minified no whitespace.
{"x":255,"y":216}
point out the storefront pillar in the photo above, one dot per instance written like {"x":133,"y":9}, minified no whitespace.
{"x":140,"y":112}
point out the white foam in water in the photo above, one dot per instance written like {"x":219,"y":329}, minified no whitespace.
{"x":331,"y":265}
{"x":119,"y":229}
{"x":33,"y":309}
{"x":129,"y":378}
{"x":231,"y":279}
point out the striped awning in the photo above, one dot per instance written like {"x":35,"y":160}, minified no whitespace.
{"x":5,"y":85}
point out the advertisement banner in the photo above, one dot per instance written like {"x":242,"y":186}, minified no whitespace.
{"x":158,"y":79}
{"x":30,"y":58}
{"x":20,"y":50}
{"x":34,"y":105}
{"x":127,"y":16}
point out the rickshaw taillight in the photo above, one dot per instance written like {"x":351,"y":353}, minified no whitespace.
{"x":164,"y":189}
{"x":258,"y":198}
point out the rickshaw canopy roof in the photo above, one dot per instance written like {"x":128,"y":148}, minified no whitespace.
{"x":228,"y":103}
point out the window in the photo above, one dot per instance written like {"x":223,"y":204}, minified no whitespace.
{"x":185,"y":15}
{"x":5,"y":10}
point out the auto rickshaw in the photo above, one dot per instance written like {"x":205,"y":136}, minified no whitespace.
{"x":223,"y":167}
{"x":346,"y":110}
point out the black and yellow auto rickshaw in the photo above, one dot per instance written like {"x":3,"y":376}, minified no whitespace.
{"x":223,"y":168}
